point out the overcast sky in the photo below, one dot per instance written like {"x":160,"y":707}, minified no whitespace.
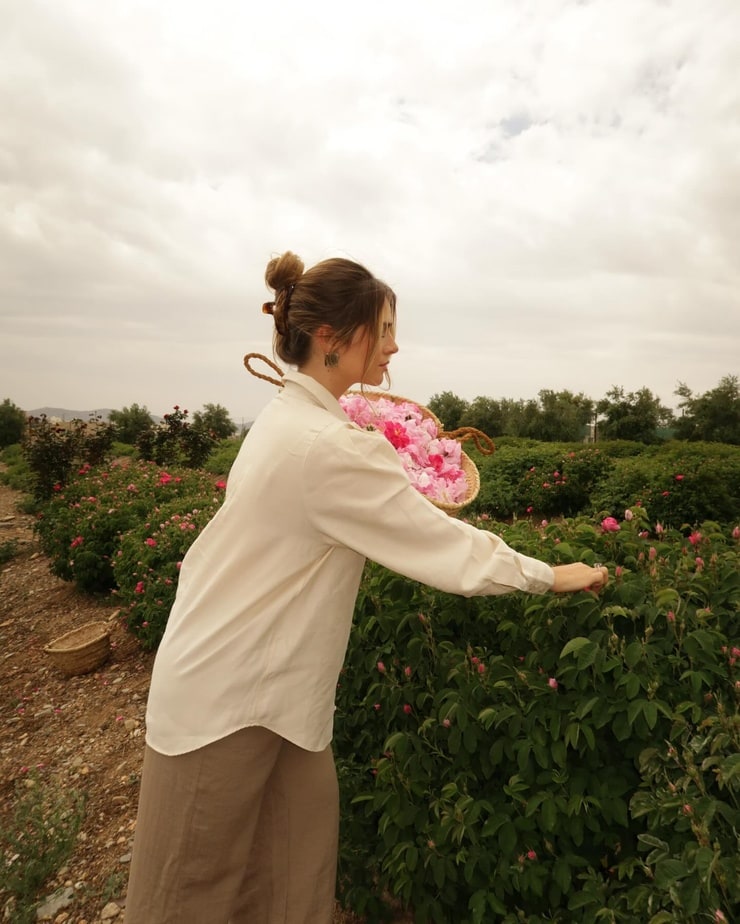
{"x":551,"y":187}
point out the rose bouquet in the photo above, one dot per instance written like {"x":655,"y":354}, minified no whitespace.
{"x":433,"y":462}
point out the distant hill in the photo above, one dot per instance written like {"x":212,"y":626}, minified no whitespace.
{"x":64,"y":413}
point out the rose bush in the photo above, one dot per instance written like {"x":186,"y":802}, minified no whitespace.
{"x":558,"y":758}
{"x":678,"y":482}
{"x":147,"y":563}
{"x":54,"y":451}
{"x":176,"y":441}
{"x":80,"y":528}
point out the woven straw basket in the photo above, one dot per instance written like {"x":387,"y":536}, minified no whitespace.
{"x":469,"y":467}
{"x":482,"y":442}
{"x":81,"y":650}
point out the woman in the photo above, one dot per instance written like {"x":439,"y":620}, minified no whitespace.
{"x":238,"y":813}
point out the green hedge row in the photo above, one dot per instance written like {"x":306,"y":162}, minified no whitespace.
{"x":678,"y":482}
{"x":549,"y":759}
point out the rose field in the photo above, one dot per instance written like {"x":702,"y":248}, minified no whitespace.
{"x":517,"y":758}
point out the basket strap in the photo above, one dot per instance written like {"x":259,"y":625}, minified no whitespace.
{"x":483,"y":443}
{"x":260,"y":375}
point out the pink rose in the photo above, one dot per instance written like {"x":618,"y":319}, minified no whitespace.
{"x":610,"y":525}
{"x":552,"y":683}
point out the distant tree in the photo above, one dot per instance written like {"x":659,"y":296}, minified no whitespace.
{"x":634,"y":416}
{"x":12,"y":423}
{"x":176,"y":441}
{"x":448,"y":408}
{"x":55,"y":451}
{"x":713,"y":416}
{"x":130,"y":423}
{"x":484,"y":414}
{"x":562,"y":416}
{"x":215,"y":419}
{"x":500,"y":416}
{"x":516,"y":415}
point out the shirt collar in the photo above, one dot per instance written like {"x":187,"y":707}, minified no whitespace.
{"x":294,"y":379}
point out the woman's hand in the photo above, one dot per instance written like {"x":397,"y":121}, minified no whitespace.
{"x":570,"y":578}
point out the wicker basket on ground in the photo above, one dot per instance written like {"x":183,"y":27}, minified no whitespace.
{"x":81,"y":650}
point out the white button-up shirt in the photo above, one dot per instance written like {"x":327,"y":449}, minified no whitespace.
{"x":258,"y":631}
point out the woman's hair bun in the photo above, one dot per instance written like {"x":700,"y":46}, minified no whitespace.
{"x":284,"y":271}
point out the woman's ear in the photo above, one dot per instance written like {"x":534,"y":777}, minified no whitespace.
{"x":325,"y":337}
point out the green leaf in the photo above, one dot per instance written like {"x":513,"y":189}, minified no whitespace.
{"x":634,"y":709}
{"x":549,"y":814}
{"x":703,"y":859}
{"x":487,"y":717}
{"x":583,"y":710}
{"x":652,"y":841}
{"x":507,"y":838}
{"x":651,"y":714}
{"x":668,"y":871}
{"x":477,"y":905}
{"x":581,"y":899}
{"x":495,"y":904}
{"x":633,"y":653}
{"x":561,"y":875}
{"x":729,"y":769}
{"x":392,"y":742}
{"x":632,"y":686}
{"x":575,"y":645}
{"x":559,"y":753}
{"x":588,"y":734}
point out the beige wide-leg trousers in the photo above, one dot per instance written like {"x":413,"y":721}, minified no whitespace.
{"x":242,"y":831}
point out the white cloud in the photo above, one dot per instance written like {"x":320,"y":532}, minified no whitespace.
{"x":551,"y":187}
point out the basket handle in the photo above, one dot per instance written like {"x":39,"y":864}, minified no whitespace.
{"x":483,"y":443}
{"x":260,"y":375}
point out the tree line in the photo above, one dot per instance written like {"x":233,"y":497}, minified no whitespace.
{"x":562,"y":416}
{"x":554,"y":416}
{"x":132,"y":425}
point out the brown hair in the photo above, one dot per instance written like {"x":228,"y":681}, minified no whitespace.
{"x":337,"y":293}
